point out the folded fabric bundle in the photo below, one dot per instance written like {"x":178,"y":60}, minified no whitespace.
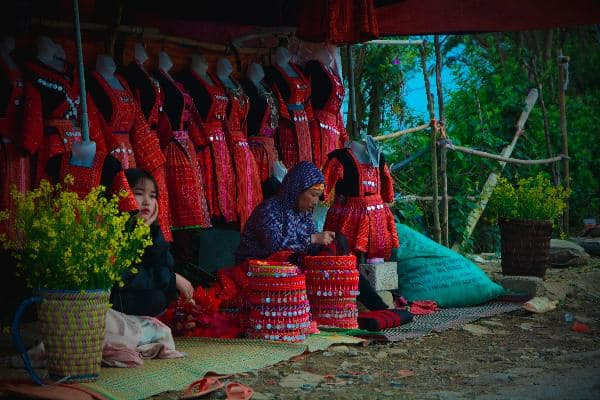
{"x":383,"y":319}
{"x":423,"y":307}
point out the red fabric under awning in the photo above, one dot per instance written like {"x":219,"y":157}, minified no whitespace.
{"x":414,"y":17}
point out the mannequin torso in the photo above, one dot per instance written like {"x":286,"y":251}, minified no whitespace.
{"x":49,"y":53}
{"x":106,"y":67}
{"x":200,"y":66}
{"x":360,"y":151}
{"x":224,"y":70}
{"x":7,"y":45}
{"x":282,"y":59}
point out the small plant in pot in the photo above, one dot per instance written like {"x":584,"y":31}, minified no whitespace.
{"x":526,"y":213}
{"x":71,"y":251}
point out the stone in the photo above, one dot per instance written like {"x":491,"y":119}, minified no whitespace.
{"x":387,"y":297}
{"x":352,"y":352}
{"x":494,"y":324}
{"x":477,"y":330}
{"x":339,"y":349}
{"x":382,"y":276}
{"x":397,"y":352}
{"x":299,"y":378}
{"x":261,"y":396}
{"x":564,"y":253}
{"x":531,"y":285}
{"x":591,"y":245}
{"x":558,"y":291}
{"x":381,"y":355}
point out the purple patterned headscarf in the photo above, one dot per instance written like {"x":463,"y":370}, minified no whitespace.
{"x":276,"y":224}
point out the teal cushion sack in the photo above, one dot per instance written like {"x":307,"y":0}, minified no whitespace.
{"x":430,"y":271}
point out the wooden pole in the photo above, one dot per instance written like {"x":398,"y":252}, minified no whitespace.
{"x":443,"y":150}
{"x":395,"y":42}
{"x":492,"y":180}
{"x":510,"y":160}
{"x":563,"y":63}
{"x":402,"y":132}
{"x":437,"y":233}
{"x":352,"y":85}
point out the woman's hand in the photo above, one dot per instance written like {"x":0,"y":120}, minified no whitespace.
{"x":325,"y":238}
{"x":184,"y":287}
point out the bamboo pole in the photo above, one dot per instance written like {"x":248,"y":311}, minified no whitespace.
{"x":503,"y":159}
{"x":492,"y":180}
{"x":563,"y":63}
{"x":443,"y":150}
{"x":148,"y":33}
{"x":402,"y":132}
{"x":352,"y":85}
{"x":412,"y":198}
{"x":395,"y":42}
{"x":437,"y":233}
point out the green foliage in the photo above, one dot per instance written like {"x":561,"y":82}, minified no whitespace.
{"x":533,"y":198}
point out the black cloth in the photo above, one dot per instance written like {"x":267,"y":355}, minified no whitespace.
{"x":173,"y":97}
{"x":383,"y":319}
{"x":51,"y":99}
{"x":348,"y":185}
{"x":99,"y":96}
{"x":258,"y":105}
{"x":369,"y":297}
{"x":320,"y":84}
{"x":152,"y":288}
{"x":110,"y":169}
{"x":139,"y":81}
{"x":201,"y":96}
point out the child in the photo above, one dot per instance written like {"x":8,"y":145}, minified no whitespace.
{"x":155,"y":285}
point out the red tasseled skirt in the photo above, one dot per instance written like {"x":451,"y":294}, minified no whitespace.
{"x":186,"y":196}
{"x":367,"y":223}
{"x":14,"y":170}
{"x":122,"y":150}
{"x":164,"y":212}
{"x":294,"y":139}
{"x":265,"y":154}
{"x":325,"y":133}
{"x":219,"y":178}
{"x":249,"y":191}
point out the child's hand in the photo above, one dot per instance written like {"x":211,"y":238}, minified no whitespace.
{"x":152,"y":217}
{"x":184,"y":287}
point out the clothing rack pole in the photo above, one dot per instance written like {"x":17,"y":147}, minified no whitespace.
{"x":85,"y":132}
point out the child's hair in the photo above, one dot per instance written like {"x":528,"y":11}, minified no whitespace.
{"x":134,"y":175}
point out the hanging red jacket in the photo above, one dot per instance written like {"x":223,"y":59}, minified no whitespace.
{"x":293,"y":133}
{"x":53,"y":110}
{"x":249,"y":191}
{"x":359,"y":210}
{"x":14,"y":162}
{"x":327,"y":94}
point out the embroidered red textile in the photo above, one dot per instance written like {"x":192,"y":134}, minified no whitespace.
{"x":332,"y":287}
{"x":327,"y":129}
{"x":149,"y":155}
{"x":365,"y":220}
{"x":279,"y":307}
{"x":14,"y":163}
{"x":214,"y":157}
{"x":53,"y":109}
{"x":87,"y":178}
{"x":186,"y":194}
{"x":249,"y":192}
{"x":265,"y":154}
{"x":337,"y":21}
{"x":295,"y":114}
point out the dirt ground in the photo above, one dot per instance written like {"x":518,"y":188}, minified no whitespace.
{"x":516,"y":356}
{"x":510,"y":356}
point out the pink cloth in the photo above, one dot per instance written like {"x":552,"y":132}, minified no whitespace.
{"x":423,"y":307}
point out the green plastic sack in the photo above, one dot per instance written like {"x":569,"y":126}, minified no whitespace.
{"x":430,"y":271}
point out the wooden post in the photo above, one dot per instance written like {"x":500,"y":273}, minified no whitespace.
{"x":436,"y":210}
{"x":563,"y":63}
{"x":492,"y":180}
{"x":443,"y":150}
{"x":352,"y":85}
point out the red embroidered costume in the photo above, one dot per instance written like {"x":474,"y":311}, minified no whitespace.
{"x":263,"y":118}
{"x":293,"y":133}
{"x":213,"y":154}
{"x":249,"y":192}
{"x":326,"y":95}
{"x":52,"y":110}
{"x":358,"y":210}
{"x":176,"y":126}
{"x":14,"y":164}
{"x":143,"y":135}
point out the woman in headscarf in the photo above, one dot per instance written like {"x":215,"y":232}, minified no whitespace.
{"x":284,"y":221}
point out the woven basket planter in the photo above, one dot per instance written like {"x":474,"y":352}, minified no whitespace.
{"x":525,"y":246}
{"x":72,"y":325}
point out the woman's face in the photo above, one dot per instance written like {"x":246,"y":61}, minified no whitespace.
{"x":145,"y":195}
{"x":308,"y":199}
